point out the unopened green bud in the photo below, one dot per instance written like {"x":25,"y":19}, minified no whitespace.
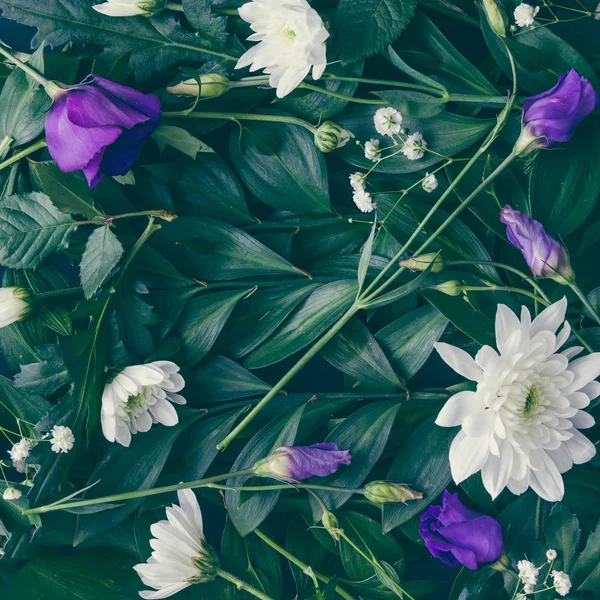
{"x":422,"y":262}
{"x":207,"y":564}
{"x":330,"y":523}
{"x":330,"y":136}
{"x":496,"y":17}
{"x":212,"y":85}
{"x":450,"y":288}
{"x":382,"y":492}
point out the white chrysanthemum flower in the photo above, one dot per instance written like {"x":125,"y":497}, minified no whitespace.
{"x":358,"y":181}
{"x":62,"y":439}
{"x":429,"y":183}
{"x":291,"y":38}
{"x":138,"y":397}
{"x":528,"y":573}
{"x":551,"y":554}
{"x":521,"y":427}
{"x":363,"y":200}
{"x":372,"y":150}
{"x":130,"y":8}
{"x":562,"y":582}
{"x":414,"y":146}
{"x":15,"y":304}
{"x":181,"y":556}
{"x":11,"y":493}
{"x":20,"y":451}
{"x":388,"y":121}
{"x":525,"y":14}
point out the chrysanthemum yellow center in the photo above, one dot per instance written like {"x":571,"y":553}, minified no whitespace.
{"x":289,"y":34}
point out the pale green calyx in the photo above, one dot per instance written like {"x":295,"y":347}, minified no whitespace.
{"x":330,"y":136}
{"x":211,"y":86}
{"x":383,"y":492}
{"x":495,"y":16}
{"x":423,"y":262}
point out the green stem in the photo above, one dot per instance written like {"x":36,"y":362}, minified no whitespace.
{"x":316,"y":88}
{"x":388,"y":82}
{"x":241,"y":117}
{"x":499,"y":288}
{"x":174,"y":6}
{"x":159,"y":214}
{"x":287,"y":377}
{"x":25,"y":152}
{"x":284,"y":486}
{"x":585,"y":301}
{"x":226,"y":12}
{"x":242,"y":585}
{"x":26,"y":68}
{"x":303,"y":566}
{"x":135,"y":494}
{"x":445,"y":10}
{"x":57,"y":293}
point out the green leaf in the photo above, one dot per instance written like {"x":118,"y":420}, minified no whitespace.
{"x":65,"y":190}
{"x":22,"y":403}
{"x":413,"y":104}
{"x":562,"y":533}
{"x":202,"y":321}
{"x":102,"y":254}
{"x":409,"y":340}
{"x":212,"y":28}
{"x":180,"y":139}
{"x":31,"y":229}
{"x":413,"y":285}
{"x":314,"y":316}
{"x":365,"y":256}
{"x":44,"y":377}
{"x":155,"y":44}
{"x":586,"y":572}
{"x":355,"y":351}
{"x":422,"y":463}
{"x":365,"y":434}
{"x":366,"y":27}
{"x":125,"y":469}
{"x":249,"y":514}
{"x":281,"y":166}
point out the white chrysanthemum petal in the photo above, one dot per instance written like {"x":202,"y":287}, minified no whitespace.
{"x":551,"y":318}
{"x":467,"y":456}
{"x":585,"y":369}
{"x":580,"y":448}
{"x":506,"y":323}
{"x":583,"y":420}
{"x":457,"y":408}
{"x":165,"y":592}
{"x":459,"y":360}
{"x":592,"y":390}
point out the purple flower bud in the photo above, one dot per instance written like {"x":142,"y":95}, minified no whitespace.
{"x":545,"y":255}
{"x":295,"y":463}
{"x":552,"y":116}
{"x":458,"y":535}
{"x":99,"y":127}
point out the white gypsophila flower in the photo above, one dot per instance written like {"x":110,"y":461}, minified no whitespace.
{"x":180,"y":555}
{"x":20,"y":451}
{"x":528,"y":588}
{"x":414,"y":146}
{"x":372,"y":151}
{"x":15,"y":304}
{"x":11,"y":493}
{"x":363,"y":200}
{"x":20,"y":466}
{"x":551,"y":554}
{"x":528,"y":573}
{"x":358,"y":181}
{"x":130,"y":8}
{"x":520,"y":428}
{"x":62,"y":439}
{"x":525,"y":14}
{"x":291,"y":41}
{"x":562,"y":582}
{"x":429,"y":183}
{"x":138,"y":397}
{"x":597,"y":12}
{"x":388,"y":121}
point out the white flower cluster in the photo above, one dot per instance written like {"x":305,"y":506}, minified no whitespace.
{"x":525,"y":14}
{"x":529,"y":576}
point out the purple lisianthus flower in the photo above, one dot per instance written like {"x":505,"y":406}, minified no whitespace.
{"x":295,"y":463}
{"x":99,"y":127}
{"x":552,"y":116}
{"x":544,"y":254}
{"x":458,"y":535}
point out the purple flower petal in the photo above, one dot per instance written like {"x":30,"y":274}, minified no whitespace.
{"x":316,"y":460}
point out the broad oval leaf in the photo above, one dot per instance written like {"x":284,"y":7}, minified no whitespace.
{"x":102,"y":254}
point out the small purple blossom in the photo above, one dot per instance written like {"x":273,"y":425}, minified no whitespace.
{"x":99,"y":127}
{"x":295,"y":463}
{"x":458,"y":535}
{"x":552,"y":116}
{"x":544,"y":254}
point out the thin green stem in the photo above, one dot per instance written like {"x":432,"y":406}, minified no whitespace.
{"x":150,"y":229}
{"x":242,"y":585}
{"x":241,"y":117}
{"x":444,"y":9}
{"x":57,"y":293}
{"x":226,"y":12}
{"x":25,"y":152}
{"x":287,"y":377}
{"x":500,"y":288}
{"x":301,"y":565}
{"x":134,"y":494}
{"x":316,"y":88}
{"x":387,"y":82}
{"x":585,"y":301}
{"x":25,"y":67}
{"x":159,"y":214}
{"x":284,"y":486}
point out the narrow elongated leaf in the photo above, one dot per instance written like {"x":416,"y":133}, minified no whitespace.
{"x":314,"y":316}
{"x":586,"y":573}
{"x":24,"y":404}
{"x":202,"y":321}
{"x":365,"y":256}
{"x":248,"y":515}
{"x":102,"y":254}
{"x":413,"y":104}
{"x":404,"y":290}
{"x":31,"y":229}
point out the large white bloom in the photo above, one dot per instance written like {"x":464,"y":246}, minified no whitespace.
{"x":180,"y":556}
{"x":291,"y":38}
{"x":521,"y":427}
{"x":138,"y":397}
{"x":15,"y":304}
{"x":525,"y":14}
{"x":130,"y":8}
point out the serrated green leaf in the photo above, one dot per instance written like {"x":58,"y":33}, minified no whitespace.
{"x":44,"y":377}
{"x":32,"y":229}
{"x":586,"y":572}
{"x":211,"y":27}
{"x":102,"y":254}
